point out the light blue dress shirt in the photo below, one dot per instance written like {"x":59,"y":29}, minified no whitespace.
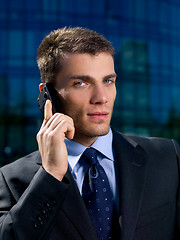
{"x":106,"y":159}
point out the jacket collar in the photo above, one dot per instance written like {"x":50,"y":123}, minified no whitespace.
{"x":131,"y":160}
{"x":78,"y":212}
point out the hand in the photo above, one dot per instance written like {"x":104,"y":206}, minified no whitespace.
{"x":51,"y":144}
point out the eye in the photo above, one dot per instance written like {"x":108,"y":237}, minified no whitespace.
{"x":79,"y":84}
{"x":109,"y":81}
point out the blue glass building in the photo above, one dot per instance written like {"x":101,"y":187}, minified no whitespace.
{"x":146,"y":37}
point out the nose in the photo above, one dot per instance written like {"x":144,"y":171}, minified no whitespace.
{"x":99,"y":95}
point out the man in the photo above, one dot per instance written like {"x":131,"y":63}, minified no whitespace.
{"x":42,"y":194}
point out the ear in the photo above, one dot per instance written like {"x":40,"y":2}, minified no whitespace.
{"x":41,"y":85}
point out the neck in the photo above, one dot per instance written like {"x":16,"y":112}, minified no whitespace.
{"x":85,"y":140}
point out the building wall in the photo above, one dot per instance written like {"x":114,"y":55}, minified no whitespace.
{"x":146,"y":37}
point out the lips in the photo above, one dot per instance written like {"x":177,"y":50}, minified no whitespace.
{"x":98,"y":115}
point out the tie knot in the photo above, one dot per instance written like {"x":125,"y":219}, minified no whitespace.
{"x":90,"y":155}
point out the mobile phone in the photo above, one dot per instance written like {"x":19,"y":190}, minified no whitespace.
{"x":49,"y":92}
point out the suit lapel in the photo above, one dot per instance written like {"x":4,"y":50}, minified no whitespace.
{"x":76,"y":211}
{"x":131,"y":160}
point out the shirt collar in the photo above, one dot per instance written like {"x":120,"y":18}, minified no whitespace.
{"x":103,"y":144}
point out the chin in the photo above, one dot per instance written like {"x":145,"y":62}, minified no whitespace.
{"x":98,"y":131}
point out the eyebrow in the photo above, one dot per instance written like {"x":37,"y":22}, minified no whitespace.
{"x":87,"y":77}
{"x":110,"y":76}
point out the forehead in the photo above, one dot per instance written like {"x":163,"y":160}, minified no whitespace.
{"x":86,"y":62}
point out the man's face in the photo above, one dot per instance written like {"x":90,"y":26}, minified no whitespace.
{"x":86,"y":85}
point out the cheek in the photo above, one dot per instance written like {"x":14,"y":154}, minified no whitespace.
{"x":114,"y":93}
{"x":113,"y":97}
{"x":73,"y":106}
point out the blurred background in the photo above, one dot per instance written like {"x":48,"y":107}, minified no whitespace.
{"x":146,"y":37}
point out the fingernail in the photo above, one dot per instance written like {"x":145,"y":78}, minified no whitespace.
{"x":47,"y":101}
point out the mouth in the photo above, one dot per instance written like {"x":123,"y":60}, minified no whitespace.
{"x":98,"y":115}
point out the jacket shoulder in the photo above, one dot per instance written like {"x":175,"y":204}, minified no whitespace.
{"x":22,"y":163}
{"x":20,"y":172}
{"x":150,"y":144}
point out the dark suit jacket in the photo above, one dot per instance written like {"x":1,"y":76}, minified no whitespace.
{"x":33,"y":203}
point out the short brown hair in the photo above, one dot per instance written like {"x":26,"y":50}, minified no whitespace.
{"x":68,"y":40}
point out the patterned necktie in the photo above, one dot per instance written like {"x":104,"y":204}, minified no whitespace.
{"x":98,"y":197}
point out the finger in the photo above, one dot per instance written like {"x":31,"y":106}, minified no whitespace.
{"x":70,"y":130}
{"x":65,"y":127}
{"x":70,"y":133}
{"x":48,"y":110}
{"x":54,"y":121}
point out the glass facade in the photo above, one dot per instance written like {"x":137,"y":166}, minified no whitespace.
{"x":146,"y":38}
